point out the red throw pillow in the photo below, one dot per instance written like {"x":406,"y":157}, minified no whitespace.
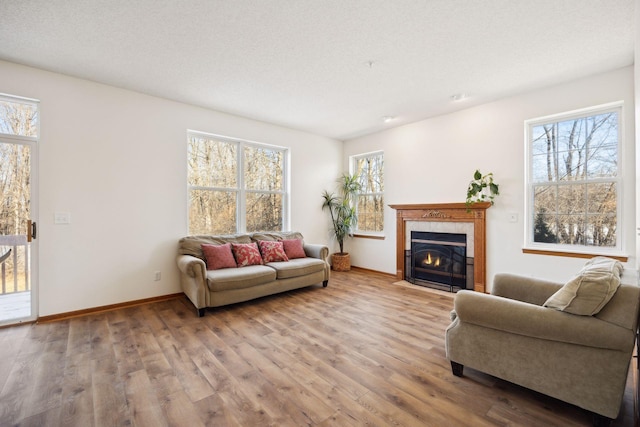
{"x":272,"y":251}
{"x":246,"y":254}
{"x":293,"y":248}
{"x":218,"y":256}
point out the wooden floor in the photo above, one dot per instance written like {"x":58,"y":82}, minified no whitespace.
{"x":362,"y":351}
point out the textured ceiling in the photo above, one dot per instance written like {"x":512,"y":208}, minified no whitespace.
{"x":330,"y":67}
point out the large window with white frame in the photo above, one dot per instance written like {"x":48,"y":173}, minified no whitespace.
{"x":574,"y":181}
{"x":369,"y":201}
{"x":235,"y":185}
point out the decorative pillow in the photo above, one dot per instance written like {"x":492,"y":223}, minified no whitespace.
{"x":589,"y":291}
{"x":272,"y":251}
{"x":218,"y":256}
{"x":246,"y":254}
{"x":293,"y":248}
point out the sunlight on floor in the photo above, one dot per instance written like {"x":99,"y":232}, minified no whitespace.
{"x":15,"y":306}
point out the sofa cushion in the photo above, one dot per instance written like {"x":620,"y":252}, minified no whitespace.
{"x":294,"y":248}
{"x":192,"y":245}
{"x":275,"y":235}
{"x":218,"y":256}
{"x":272,"y":251}
{"x":590,"y":290}
{"x":297,"y":267}
{"x":239,"y":278}
{"x":246,"y":254}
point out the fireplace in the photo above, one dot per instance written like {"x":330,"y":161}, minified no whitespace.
{"x":438,"y":259}
{"x":439,"y":214}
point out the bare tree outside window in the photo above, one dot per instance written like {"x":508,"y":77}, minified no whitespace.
{"x":264,"y":173}
{"x":370,"y":200}
{"x":574,"y":180}
{"x":234,"y":186}
{"x":17,"y":118}
{"x":21,"y":120}
{"x":213,"y":186}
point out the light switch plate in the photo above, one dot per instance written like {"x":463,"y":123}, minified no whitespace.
{"x":62,"y":218}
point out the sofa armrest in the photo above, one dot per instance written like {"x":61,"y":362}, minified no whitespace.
{"x":522,"y":288}
{"x":193,"y":278}
{"x":534,"y":321}
{"x":316,"y":251}
{"x":192,"y":266}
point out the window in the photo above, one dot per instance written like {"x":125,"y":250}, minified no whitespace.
{"x":19,"y":117}
{"x":235,"y":186}
{"x":574,"y":181}
{"x":370,"y":200}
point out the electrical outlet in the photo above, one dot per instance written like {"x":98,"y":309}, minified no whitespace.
{"x":513,"y":217}
{"x":158,"y":276}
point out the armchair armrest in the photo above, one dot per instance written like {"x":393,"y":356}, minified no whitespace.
{"x":522,"y":288}
{"x":316,"y":251}
{"x":534,"y":321}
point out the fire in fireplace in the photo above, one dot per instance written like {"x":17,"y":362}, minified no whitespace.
{"x":439,"y":258}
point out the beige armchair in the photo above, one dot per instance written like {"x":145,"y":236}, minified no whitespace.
{"x":579,"y":359}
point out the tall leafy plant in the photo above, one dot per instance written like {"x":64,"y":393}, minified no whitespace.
{"x":341,"y":207}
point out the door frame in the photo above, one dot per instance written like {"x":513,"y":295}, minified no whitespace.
{"x":34,"y":144}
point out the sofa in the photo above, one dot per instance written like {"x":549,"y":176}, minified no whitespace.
{"x":562,"y":340}
{"x":222,"y":279}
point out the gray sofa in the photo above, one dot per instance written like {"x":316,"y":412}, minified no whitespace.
{"x":580,"y":359}
{"x":214,"y":288}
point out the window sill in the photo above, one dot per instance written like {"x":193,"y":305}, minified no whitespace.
{"x":621,"y":258}
{"x":370,"y":236}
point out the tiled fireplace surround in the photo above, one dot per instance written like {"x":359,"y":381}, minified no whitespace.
{"x":448,"y":218}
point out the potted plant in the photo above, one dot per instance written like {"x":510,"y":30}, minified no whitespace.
{"x":343,"y":217}
{"x":481,"y":189}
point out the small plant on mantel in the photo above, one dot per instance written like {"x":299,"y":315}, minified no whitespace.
{"x":481,"y":189}
{"x":343,"y":216}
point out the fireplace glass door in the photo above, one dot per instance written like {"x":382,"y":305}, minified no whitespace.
{"x":439,"y":258}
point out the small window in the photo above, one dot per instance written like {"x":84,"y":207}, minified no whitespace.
{"x":574,"y":181}
{"x":370,"y":199}
{"x":235,"y":186}
{"x":18,"y":116}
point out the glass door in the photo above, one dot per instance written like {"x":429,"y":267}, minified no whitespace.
{"x":18,"y":229}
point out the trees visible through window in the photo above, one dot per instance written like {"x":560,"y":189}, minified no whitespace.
{"x":235,"y":186}
{"x":574,"y":179}
{"x":18,"y":117}
{"x":370,"y":199}
{"x":19,"y":129}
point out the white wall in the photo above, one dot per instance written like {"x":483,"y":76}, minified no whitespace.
{"x":432,"y":161}
{"x":116,"y":160}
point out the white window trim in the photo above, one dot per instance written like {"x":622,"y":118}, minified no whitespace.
{"x":240,"y":190}
{"x":529,"y":244}
{"x":352,"y":161}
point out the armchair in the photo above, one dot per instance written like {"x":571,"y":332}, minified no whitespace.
{"x":579,"y":359}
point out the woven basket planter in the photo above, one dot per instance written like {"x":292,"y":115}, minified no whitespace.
{"x":341,"y":262}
